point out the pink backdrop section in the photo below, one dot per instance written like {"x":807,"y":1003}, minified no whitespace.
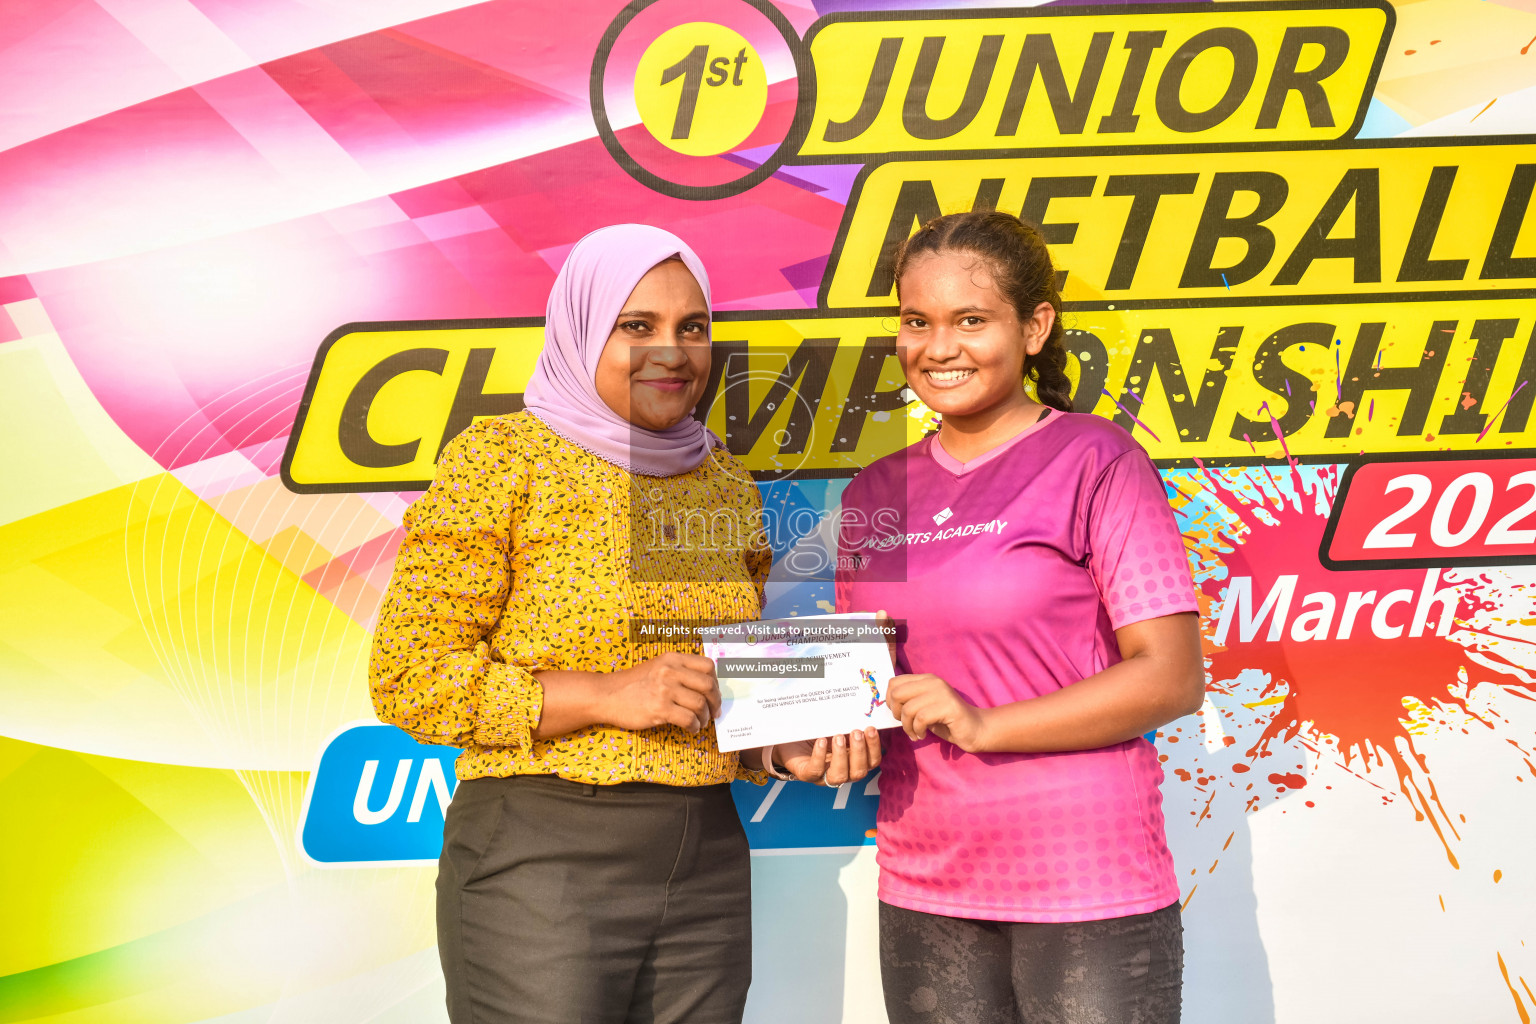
{"x":378,"y":177}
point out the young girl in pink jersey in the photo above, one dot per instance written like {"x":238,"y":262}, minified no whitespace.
{"x":1050,"y":623}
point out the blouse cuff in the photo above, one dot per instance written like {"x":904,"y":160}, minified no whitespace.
{"x":752,"y":775}
{"x":511,"y":705}
{"x":745,"y":774}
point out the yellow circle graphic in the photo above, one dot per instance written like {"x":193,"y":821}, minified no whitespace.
{"x":700,"y":89}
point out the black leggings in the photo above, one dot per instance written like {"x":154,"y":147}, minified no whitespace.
{"x":952,"y":970}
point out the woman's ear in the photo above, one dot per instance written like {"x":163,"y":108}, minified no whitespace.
{"x":1038,"y":327}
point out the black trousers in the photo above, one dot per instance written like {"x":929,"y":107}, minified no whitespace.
{"x":559,"y":903}
{"x":953,"y":970}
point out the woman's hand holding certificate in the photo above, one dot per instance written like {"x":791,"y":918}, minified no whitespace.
{"x":671,"y":689}
{"x":829,"y":761}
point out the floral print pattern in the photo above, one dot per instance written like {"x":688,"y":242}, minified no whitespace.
{"x":528,"y":553}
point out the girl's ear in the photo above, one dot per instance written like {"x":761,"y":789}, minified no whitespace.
{"x":1038,"y":328}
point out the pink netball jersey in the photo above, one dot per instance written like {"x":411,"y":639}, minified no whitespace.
{"x":1012,"y":573}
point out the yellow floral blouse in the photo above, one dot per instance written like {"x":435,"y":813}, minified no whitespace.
{"x":529,"y":553}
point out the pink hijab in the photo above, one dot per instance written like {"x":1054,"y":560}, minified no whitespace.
{"x":589,"y":293}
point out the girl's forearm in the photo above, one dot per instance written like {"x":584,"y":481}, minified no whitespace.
{"x":1161,"y":678}
{"x":1107,"y":708}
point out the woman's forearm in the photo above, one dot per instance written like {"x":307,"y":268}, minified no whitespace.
{"x":670,"y":689}
{"x":572,"y":701}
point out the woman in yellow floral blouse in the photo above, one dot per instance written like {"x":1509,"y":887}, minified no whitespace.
{"x":593,"y":865}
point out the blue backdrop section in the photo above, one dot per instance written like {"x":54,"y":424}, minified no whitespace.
{"x":790,"y":513}
{"x":378,"y":797}
{"x":386,"y":813}
{"x":798,"y":816}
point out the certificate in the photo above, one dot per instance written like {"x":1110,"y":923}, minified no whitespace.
{"x":799,"y":678}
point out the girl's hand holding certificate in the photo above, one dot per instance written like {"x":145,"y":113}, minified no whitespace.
{"x":925,"y":703}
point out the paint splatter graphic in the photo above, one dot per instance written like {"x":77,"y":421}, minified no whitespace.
{"x":1307,"y":664}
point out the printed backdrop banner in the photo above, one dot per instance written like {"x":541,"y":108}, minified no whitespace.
{"x":259,"y":261}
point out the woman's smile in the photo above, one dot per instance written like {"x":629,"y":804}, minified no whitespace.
{"x":668,"y":384}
